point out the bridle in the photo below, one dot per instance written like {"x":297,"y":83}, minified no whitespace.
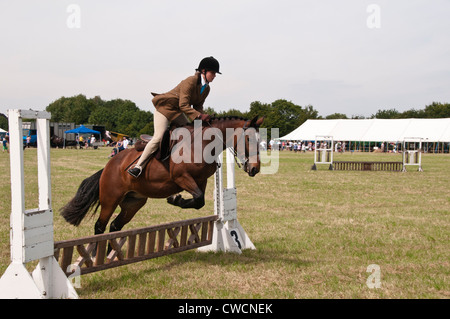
{"x":239,"y":161}
{"x":244,"y":162}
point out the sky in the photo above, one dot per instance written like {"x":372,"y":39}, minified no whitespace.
{"x":350,"y":56}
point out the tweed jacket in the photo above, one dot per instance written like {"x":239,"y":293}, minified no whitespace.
{"x":179,"y":100}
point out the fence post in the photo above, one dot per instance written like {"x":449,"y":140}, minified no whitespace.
{"x":228,"y":235}
{"x":31,"y":234}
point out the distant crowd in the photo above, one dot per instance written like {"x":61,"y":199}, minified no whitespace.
{"x":296,"y":146}
{"x":299,"y":146}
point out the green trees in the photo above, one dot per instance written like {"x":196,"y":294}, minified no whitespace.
{"x":117,"y":115}
{"x":336,"y":116}
{"x":434,"y":110}
{"x":71,"y":109}
{"x":437,"y":110}
{"x":3,"y":122}
{"x":123,"y":116}
{"x":281,"y":114}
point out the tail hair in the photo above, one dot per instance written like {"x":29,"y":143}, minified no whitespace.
{"x":84,"y":200}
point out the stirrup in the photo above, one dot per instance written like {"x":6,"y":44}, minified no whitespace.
{"x":135,"y":171}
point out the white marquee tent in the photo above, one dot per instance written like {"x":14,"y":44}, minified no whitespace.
{"x":374,"y":130}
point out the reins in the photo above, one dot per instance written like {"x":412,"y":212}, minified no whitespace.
{"x":232,"y":150}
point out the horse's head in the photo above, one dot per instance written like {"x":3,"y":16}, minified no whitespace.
{"x":55,"y":140}
{"x":245,"y":144}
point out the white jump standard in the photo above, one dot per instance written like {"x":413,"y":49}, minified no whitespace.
{"x":228,"y":234}
{"x":412,"y":156}
{"x":31,"y":233}
{"x":323,"y":151}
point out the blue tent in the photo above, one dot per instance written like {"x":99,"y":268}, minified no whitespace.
{"x":82,"y":130}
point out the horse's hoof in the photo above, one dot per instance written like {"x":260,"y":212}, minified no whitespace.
{"x":174,"y":200}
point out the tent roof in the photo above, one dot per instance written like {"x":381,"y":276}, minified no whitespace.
{"x":392,"y":130}
{"x":82,"y":129}
{"x":2,"y":130}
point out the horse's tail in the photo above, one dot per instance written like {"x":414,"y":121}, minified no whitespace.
{"x":83,"y":201}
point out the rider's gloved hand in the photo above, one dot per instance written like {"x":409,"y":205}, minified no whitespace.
{"x":204,"y":117}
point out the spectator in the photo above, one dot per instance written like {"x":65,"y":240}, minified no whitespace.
{"x":119,"y":147}
{"x":5,"y":145}
{"x":263,"y":145}
{"x":271,"y":143}
{"x":93,"y":139}
{"x":125,"y":143}
{"x":81,"y":141}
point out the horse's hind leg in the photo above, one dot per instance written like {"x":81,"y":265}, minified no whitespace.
{"x":107,"y":209}
{"x":129,"y":207}
{"x":105,"y":214}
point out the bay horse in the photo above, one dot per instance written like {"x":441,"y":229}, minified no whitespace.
{"x":112,"y":186}
{"x":56,"y":141}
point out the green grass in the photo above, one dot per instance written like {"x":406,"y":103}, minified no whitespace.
{"x":316,"y":232}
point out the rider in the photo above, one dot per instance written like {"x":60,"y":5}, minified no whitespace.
{"x":175,"y":107}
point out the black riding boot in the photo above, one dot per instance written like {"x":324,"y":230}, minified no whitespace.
{"x":135,"y":171}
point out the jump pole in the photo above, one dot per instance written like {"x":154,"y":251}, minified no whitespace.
{"x":228,"y":235}
{"x":31,"y":232}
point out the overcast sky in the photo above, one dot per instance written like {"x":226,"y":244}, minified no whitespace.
{"x":339,"y":56}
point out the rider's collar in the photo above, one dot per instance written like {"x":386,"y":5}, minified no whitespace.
{"x":202,"y":77}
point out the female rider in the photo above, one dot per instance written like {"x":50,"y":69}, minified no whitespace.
{"x":175,"y":107}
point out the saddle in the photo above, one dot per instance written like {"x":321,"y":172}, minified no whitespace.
{"x":164,"y":149}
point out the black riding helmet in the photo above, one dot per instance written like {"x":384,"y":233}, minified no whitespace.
{"x":209,"y":64}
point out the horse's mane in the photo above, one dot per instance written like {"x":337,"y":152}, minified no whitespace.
{"x":214,"y":119}
{"x":227,"y":118}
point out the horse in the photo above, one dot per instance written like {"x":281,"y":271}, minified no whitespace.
{"x":166,"y":177}
{"x":58,"y":142}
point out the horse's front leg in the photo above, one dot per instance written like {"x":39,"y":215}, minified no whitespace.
{"x":198,"y":193}
{"x":176,"y":200}
{"x":194,"y":202}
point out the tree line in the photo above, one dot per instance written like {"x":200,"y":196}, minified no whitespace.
{"x":434,"y":110}
{"x":116,"y":115}
{"x":281,"y":114}
{"x":125,"y":117}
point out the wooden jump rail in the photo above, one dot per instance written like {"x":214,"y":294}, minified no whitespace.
{"x":141,"y":244}
{"x":368,"y":166}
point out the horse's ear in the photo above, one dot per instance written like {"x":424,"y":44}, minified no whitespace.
{"x":255,"y":122}
{"x":259,"y":121}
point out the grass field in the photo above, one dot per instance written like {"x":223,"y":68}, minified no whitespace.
{"x":316,"y":232}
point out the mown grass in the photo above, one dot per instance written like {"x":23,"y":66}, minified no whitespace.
{"x":316,"y":232}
